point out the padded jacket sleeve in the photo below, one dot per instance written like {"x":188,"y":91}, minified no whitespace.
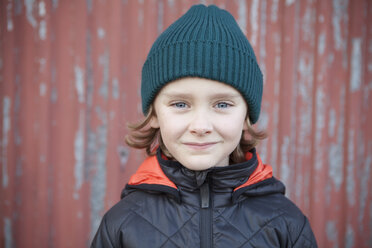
{"x":102,"y":237}
{"x":306,"y":237}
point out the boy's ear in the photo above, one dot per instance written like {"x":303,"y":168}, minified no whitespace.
{"x":154,"y":122}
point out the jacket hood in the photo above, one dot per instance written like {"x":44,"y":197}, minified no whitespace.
{"x":250,"y":178}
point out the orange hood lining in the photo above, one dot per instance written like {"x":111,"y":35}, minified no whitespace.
{"x":150,"y":172}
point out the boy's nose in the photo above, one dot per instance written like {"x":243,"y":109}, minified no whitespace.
{"x":200,"y":124}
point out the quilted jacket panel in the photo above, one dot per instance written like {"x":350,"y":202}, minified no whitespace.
{"x":256,"y":215}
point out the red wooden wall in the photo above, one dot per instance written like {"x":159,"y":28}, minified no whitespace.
{"x":69,"y":83}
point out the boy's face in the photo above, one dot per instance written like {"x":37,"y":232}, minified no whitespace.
{"x":200,"y":120}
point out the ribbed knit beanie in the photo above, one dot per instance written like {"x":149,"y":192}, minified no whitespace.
{"x":205,"y":42}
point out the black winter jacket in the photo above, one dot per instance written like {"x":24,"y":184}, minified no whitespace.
{"x":166,"y":205}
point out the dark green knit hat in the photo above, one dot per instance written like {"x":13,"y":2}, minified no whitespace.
{"x":205,"y":42}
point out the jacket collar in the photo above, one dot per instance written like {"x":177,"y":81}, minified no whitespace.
{"x":221,"y":179}
{"x":157,"y":173}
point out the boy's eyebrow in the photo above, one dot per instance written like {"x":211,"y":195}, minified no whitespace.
{"x":177,"y":95}
{"x":226,"y":95}
{"x":217,"y":95}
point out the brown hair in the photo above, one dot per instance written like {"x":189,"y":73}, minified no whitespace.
{"x":142,"y":136}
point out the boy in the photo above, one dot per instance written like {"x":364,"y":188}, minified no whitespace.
{"x":203,"y":184}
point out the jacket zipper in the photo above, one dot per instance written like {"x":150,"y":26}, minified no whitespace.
{"x":206,"y":216}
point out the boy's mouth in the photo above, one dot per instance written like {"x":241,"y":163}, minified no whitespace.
{"x":200,"y":146}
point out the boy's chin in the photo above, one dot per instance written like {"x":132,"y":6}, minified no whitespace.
{"x":200,"y":166}
{"x":197,"y":167}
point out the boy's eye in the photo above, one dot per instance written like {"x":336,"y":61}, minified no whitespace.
{"x":180,"y":105}
{"x":223,"y":105}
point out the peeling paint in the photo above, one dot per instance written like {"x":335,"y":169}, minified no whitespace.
{"x":171,"y":3}
{"x":79,"y":153}
{"x":300,"y":182}
{"x":203,"y":2}
{"x":112,"y":115}
{"x":277,"y":70}
{"x":89,"y":71}
{"x":321,"y":18}
{"x":89,"y":5}
{"x":350,"y":183}
{"x":307,"y":25}
{"x":140,"y":17}
{"x":6,"y":129}
{"x":42,"y":9}
{"x":54,"y":95}
{"x":328,"y":191}
{"x":274,"y":138}
{"x":370,"y":221}
{"x":79,"y":83}
{"x":274,"y":10}
{"x":332,"y":122}
{"x":19,"y":168}
{"x":331,"y":58}
{"x":264,"y":120}
{"x":42,"y":30}
{"x":9,"y":17}
{"x":42,"y":89}
{"x":17,"y":106}
{"x":349,"y":237}
{"x":160,"y":21}
{"x":17,"y":100}
{"x":285,"y":170}
{"x":101,"y":33}
{"x":79,"y":215}
{"x":29,"y":12}
{"x":55,"y":4}
{"x":365,"y":176}
{"x":115,"y":88}
{"x":366,"y":95}
{"x":123,"y":153}
{"x":53,"y":73}
{"x":339,"y":12}
{"x":17,"y":6}
{"x":335,"y":155}
{"x":263,"y":123}
{"x":104,"y":61}
{"x":321,"y":43}
{"x":42,"y":158}
{"x":335,"y":160}
{"x":289,"y":2}
{"x":356,"y":65}
{"x":254,"y":22}
{"x":98,"y":182}
{"x":320,"y":124}
{"x":42,"y":64}
{"x":332,"y":232}
{"x":8,"y":234}
{"x":305,"y":87}
{"x":242,"y":16}
{"x":306,"y":68}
